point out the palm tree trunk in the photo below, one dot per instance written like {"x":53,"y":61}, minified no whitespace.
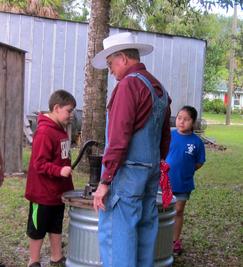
{"x":95,"y":85}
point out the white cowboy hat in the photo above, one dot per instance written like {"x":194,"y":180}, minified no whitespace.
{"x":118,"y":42}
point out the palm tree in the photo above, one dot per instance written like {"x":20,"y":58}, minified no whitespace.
{"x":44,"y":8}
{"x":95,"y":86}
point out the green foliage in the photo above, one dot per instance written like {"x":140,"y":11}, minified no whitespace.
{"x":171,"y":17}
{"x":215,"y":106}
{"x":52,"y":3}
{"x":19,"y":4}
{"x":239,"y":58}
{"x":127,"y":14}
{"x":179,"y":17}
{"x":214,"y":29}
{"x":24,"y":3}
{"x":46,"y":8}
{"x":221,"y":3}
{"x":206,"y":105}
{"x":75,"y":10}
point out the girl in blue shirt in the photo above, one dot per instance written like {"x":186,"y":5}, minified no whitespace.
{"x":186,"y":155}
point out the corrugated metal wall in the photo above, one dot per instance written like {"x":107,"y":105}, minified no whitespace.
{"x":56,"y":52}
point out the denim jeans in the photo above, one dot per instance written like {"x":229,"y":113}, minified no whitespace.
{"x":128,"y":228}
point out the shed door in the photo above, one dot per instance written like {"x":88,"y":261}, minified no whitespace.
{"x":11,"y":108}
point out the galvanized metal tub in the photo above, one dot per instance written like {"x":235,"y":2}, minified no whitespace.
{"x":164,"y":244}
{"x":83,"y":248}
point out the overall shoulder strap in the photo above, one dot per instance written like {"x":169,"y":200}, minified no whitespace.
{"x":149,"y":85}
{"x":145,"y":80}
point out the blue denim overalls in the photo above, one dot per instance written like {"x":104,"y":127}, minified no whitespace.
{"x":128,"y":228}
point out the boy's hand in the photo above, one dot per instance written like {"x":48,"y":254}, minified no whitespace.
{"x":66,"y":171}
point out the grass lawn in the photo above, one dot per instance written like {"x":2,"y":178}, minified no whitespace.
{"x":214,"y":118}
{"x":212,"y":234}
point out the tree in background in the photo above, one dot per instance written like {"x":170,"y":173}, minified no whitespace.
{"x":95,"y":85}
{"x":216,"y":30}
{"x":63,"y":9}
{"x":127,"y":13}
{"x":239,"y":58}
{"x":187,"y":19}
{"x":45,"y":8}
{"x":72,"y":8}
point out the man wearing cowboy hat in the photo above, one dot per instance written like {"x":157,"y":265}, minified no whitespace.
{"x":137,"y":138}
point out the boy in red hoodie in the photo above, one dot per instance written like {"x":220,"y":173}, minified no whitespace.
{"x":49,"y":176}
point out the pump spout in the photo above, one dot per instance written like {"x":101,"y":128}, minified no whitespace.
{"x":89,"y":143}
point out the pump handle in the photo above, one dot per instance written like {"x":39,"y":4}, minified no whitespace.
{"x":89,"y":143}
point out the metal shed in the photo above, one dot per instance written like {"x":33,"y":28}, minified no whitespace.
{"x":12,"y":65}
{"x":56,"y":54}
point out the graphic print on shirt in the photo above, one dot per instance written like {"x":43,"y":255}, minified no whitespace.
{"x":65,"y":149}
{"x":190,"y":149}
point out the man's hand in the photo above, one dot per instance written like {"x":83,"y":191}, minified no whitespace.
{"x":100,"y":197}
{"x":66,"y":171}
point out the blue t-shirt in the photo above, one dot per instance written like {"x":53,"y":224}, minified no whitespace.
{"x":185,"y":152}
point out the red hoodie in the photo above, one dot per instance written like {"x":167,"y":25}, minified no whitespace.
{"x":50,"y":152}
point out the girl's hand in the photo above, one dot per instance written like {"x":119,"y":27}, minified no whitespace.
{"x":66,"y":171}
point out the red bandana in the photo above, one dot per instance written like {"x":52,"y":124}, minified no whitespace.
{"x":165,"y":184}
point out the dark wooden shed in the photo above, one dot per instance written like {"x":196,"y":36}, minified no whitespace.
{"x":12,"y":62}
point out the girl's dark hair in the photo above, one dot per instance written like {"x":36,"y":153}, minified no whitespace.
{"x":62,"y":98}
{"x":191,"y":111}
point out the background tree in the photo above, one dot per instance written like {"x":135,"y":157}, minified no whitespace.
{"x":71,"y":10}
{"x":184,"y":18}
{"x":45,"y":8}
{"x":126,"y":13}
{"x":231,"y":68}
{"x":239,"y":58}
{"x":95,"y":86}
{"x":63,"y":9}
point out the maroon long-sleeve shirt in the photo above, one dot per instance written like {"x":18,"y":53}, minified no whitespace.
{"x":128,"y":110}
